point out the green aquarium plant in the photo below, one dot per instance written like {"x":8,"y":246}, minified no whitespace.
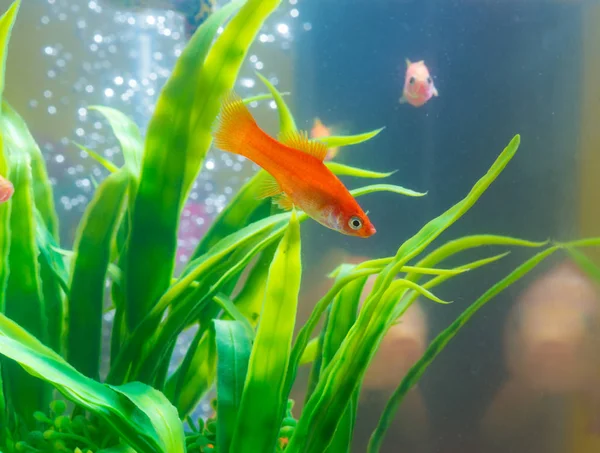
{"x":53,"y":396}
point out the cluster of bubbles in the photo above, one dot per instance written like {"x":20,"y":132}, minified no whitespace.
{"x":121,"y":59}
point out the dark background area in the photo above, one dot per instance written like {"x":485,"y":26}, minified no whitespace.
{"x":501,"y":68}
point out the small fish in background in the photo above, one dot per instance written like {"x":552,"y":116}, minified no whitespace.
{"x":298,"y":176}
{"x":6,"y":190}
{"x":194,"y":12}
{"x":418,"y":84}
{"x":319,"y":130}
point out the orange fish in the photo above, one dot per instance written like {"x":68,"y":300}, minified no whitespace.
{"x":298,"y":176}
{"x":319,"y":130}
{"x":6,"y":190}
{"x":418,"y":85}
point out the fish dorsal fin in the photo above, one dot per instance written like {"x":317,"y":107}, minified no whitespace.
{"x":268,"y":187}
{"x":299,"y":140}
{"x":283,"y":201}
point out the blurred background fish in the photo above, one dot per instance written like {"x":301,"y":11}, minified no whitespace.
{"x":6,"y":190}
{"x":194,"y":12}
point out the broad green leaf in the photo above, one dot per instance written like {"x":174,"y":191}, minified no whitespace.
{"x":171,"y":160}
{"x":93,"y":240}
{"x":19,"y":139}
{"x":24,"y":298}
{"x":233,"y":353}
{"x":286,"y":120}
{"x":128,"y":420}
{"x":98,"y":158}
{"x":160,"y":411}
{"x":440,"y":342}
{"x":338,"y":141}
{"x":265,"y":397}
{"x":17,"y":133}
{"x":346,"y":170}
{"x":7,"y":21}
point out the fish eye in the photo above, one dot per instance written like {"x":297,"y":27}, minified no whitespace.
{"x":355,"y":223}
{"x":429,"y":80}
{"x":412,"y":81}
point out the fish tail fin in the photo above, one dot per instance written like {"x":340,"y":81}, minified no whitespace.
{"x":233,"y":125}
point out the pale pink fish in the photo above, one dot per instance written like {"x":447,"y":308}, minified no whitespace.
{"x":418,"y":84}
{"x":6,"y":190}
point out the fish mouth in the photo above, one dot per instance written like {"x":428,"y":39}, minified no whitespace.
{"x":369,"y":231}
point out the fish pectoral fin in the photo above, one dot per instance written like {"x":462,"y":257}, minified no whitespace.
{"x":436,"y":92}
{"x":283,"y":201}
{"x":408,"y":63}
{"x":402,"y":100}
{"x":299,"y":140}
{"x":268,"y":187}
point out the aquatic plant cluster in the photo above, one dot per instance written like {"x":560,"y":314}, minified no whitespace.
{"x":52,"y":300}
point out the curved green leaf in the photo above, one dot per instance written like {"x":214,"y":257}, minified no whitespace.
{"x":98,"y":158}
{"x":338,"y":141}
{"x":386,"y":188}
{"x":346,"y":170}
{"x":128,"y":135}
{"x":286,"y":120}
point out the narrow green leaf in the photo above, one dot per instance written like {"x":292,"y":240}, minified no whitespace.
{"x":386,"y":188}
{"x":128,"y":135}
{"x":265,"y":397}
{"x":234,"y":313}
{"x":440,"y":342}
{"x":93,"y":240}
{"x":586,"y":264}
{"x":346,"y":170}
{"x":310,"y":352}
{"x":342,"y":316}
{"x":7,"y":21}
{"x":233,"y":353}
{"x":171,"y":159}
{"x":54,"y":278}
{"x":98,"y":158}
{"x":241,"y":211}
{"x":338,"y":141}
{"x":286,"y":120}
